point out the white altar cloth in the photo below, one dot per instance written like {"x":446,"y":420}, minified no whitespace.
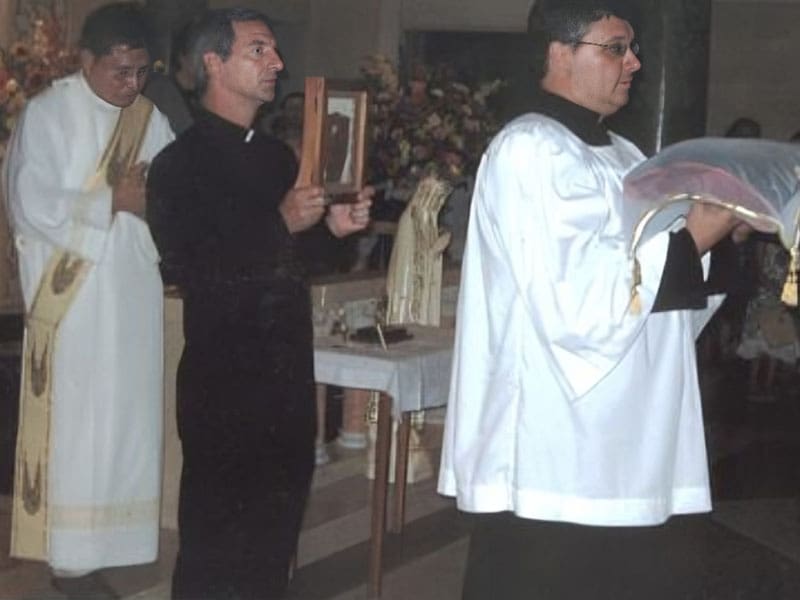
{"x":414,"y":372}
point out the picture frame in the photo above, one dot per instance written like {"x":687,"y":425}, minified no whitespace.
{"x":345,"y":123}
{"x":334,"y":139}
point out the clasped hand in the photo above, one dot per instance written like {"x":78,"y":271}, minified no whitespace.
{"x":128,"y":194}
{"x":709,"y":223}
{"x":344,"y":219}
{"x":304,"y":206}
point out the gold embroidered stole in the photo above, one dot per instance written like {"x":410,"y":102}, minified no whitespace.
{"x":62,"y":278}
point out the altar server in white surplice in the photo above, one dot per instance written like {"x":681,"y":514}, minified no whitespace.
{"x":88,"y":476}
{"x":574,"y":413}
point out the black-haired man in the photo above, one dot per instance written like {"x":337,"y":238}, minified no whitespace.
{"x":88,"y":480}
{"x":173,"y":92}
{"x":573,"y":418}
{"x":226,"y":216}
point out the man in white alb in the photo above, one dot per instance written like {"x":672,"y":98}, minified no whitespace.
{"x":574,"y":420}
{"x":88,"y":476}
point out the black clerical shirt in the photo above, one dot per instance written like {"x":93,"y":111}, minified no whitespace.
{"x":213,"y":208}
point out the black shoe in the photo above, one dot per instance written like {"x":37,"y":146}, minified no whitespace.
{"x":87,"y":587}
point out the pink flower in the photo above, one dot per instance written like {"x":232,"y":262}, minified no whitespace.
{"x":433,"y":124}
{"x":30,"y":64}
{"x":11,"y":87}
{"x":19,"y":51}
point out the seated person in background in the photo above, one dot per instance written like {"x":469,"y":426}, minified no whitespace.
{"x":173,"y":92}
{"x":287,"y":123}
{"x":769,"y":339}
{"x":744,"y":127}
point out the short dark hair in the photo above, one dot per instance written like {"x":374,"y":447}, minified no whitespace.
{"x":744,"y":127}
{"x":179,"y":43}
{"x":566,"y":21}
{"x":566,"y":24}
{"x":214,"y":33}
{"x":118,"y":24}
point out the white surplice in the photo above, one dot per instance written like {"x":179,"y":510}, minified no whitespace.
{"x":564,"y":405}
{"x":106,"y":415}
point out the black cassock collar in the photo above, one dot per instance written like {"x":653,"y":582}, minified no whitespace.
{"x":225,"y":130}
{"x":584,"y":123}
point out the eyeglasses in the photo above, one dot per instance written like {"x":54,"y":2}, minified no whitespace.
{"x":618,"y":49}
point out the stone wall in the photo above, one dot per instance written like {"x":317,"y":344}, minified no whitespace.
{"x":754,"y":49}
{"x":753,"y":44}
{"x":752,"y":53}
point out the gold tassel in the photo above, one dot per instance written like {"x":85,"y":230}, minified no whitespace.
{"x":635,"y":306}
{"x":789,"y":295}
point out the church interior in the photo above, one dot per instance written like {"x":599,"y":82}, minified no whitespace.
{"x":706,"y":63}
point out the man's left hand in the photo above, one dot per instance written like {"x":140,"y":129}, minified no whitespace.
{"x":741,"y":232}
{"x":344,"y":219}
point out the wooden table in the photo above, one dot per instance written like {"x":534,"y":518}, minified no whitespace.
{"x":411,"y":375}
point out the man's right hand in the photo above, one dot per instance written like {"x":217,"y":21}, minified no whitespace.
{"x":708,"y":224}
{"x":302,"y":207}
{"x":128,"y":194}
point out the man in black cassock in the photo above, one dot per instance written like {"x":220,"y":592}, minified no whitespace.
{"x":225,"y":215}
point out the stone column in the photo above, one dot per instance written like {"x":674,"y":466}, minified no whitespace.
{"x":6,"y":22}
{"x":668,"y":100}
{"x":389,"y":28}
{"x":6,"y":38}
{"x":10,"y":296}
{"x":77,"y":10}
{"x":353,"y":433}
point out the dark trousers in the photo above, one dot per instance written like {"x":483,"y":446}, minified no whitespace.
{"x":514,"y":559}
{"x":248,"y":457}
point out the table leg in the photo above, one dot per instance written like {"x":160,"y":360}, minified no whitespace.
{"x":383,"y":441}
{"x":353,"y":433}
{"x":400,"y":474}
{"x":321,"y":453}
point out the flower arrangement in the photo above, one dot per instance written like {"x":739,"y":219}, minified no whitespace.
{"x":433,"y":125}
{"x":30,"y":64}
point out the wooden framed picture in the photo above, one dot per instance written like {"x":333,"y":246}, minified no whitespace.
{"x":334,"y":132}
{"x":345,"y":126}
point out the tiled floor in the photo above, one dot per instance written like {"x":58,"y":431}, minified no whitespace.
{"x":754,"y":449}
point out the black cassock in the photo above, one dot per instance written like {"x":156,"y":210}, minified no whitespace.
{"x":245,"y":385}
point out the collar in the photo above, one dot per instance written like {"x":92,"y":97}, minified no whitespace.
{"x":107,"y":106}
{"x":220,"y":126}
{"x":584,"y":123}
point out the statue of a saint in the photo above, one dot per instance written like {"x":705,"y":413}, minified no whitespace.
{"x":414,"y":280}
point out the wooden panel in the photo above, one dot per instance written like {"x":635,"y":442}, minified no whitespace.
{"x":314,"y":114}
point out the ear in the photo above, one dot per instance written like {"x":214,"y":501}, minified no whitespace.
{"x":559,"y":57}
{"x":87,"y":60}
{"x":212,"y":63}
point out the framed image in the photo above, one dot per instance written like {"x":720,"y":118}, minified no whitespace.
{"x":334,"y":132}
{"x":345,"y":126}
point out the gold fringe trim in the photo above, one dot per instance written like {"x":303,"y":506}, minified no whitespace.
{"x":635,"y":305}
{"x":789,"y":295}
